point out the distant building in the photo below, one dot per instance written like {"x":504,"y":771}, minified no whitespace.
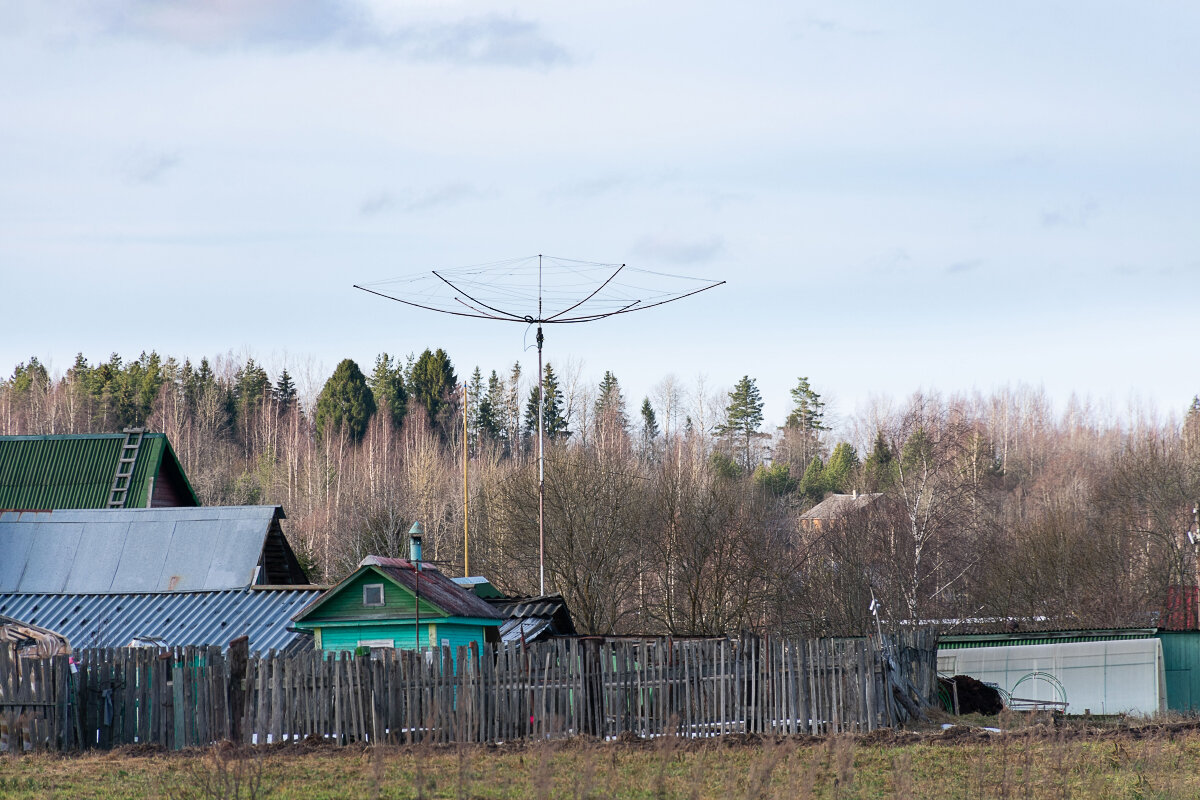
{"x":399,"y":603}
{"x":839,"y":508}
{"x":95,"y":470}
{"x":179,"y":576}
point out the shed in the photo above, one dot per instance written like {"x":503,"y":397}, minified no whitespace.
{"x":184,"y":576}
{"x":531,"y":619}
{"x":1101,"y":671}
{"x":390,"y":603}
{"x":95,"y":470}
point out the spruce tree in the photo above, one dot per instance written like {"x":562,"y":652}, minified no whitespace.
{"x":433,"y":383}
{"x":649,"y":423}
{"x":879,"y":469}
{"x":388,"y":389}
{"x":345,"y":403}
{"x":812,"y":485}
{"x":284,"y":391}
{"x":840,"y":466}
{"x":552,"y":412}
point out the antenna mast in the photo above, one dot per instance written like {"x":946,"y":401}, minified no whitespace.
{"x":574,"y":291}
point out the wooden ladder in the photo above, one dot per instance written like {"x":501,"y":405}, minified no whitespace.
{"x":123,"y":477}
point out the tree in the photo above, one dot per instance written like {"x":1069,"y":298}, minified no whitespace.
{"x":649,"y":424}
{"x":808,"y":411}
{"x":776,"y":479}
{"x":813,"y":485}
{"x":433,"y":384}
{"x":490,"y":417}
{"x":841,"y":465}
{"x":285,"y":389}
{"x":552,"y":413}
{"x":345,"y":403}
{"x":387,"y":387}
{"x":879,"y":470}
{"x":743,"y":416}
{"x":611,"y":424}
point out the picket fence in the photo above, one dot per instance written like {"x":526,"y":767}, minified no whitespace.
{"x":183,"y":697}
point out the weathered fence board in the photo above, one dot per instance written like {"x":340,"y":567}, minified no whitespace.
{"x":648,"y":687}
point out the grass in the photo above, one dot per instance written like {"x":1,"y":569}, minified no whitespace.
{"x":1039,"y":761}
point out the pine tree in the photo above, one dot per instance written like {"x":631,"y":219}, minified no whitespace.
{"x":345,"y":403}
{"x":743,"y":416}
{"x":808,"y":410}
{"x":388,"y":389}
{"x":552,"y":411}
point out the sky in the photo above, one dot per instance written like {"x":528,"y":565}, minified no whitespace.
{"x":940,"y":196}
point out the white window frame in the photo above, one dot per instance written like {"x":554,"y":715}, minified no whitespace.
{"x":382,"y":600}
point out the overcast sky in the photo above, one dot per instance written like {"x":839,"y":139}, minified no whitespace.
{"x":947,"y":196}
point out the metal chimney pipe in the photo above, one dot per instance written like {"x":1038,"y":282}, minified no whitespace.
{"x":415,"y":534}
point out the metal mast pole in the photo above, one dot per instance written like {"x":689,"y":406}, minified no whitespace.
{"x":541,"y":448}
{"x":466,"y":540}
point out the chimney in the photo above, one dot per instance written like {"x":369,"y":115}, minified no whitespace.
{"x":414,"y":544}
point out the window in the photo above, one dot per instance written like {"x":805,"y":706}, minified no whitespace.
{"x":373,"y":594}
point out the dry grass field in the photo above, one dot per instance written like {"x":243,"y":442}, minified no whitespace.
{"x":1070,"y":760}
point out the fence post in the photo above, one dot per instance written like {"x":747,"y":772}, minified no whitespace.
{"x":239,"y":654}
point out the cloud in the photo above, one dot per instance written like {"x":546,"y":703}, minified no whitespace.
{"x":678,"y":251}
{"x":144,"y":166}
{"x":301,"y":24}
{"x":447,"y":195}
{"x":1072,"y":216}
{"x":959,"y":267}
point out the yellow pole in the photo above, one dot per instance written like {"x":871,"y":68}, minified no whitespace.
{"x":466,"y":540}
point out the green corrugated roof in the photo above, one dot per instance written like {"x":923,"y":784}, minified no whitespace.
{"x":76,"y":471}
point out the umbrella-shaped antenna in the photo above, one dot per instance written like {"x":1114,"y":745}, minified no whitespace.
{"x":539,"y":290}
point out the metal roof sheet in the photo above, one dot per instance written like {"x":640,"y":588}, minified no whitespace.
{"x":76,"y":471}
{"x":435,"y":588}
{"x":527,"y":629}
{"x":78,"y":551}
{"x":178,"y":618}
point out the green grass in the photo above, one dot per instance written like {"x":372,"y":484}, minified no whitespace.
{"x":1038,"y":762}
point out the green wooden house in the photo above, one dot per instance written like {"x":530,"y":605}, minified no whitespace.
{"x":398,"y":603}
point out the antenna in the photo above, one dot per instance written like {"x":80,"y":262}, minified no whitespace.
{"x":539,"y":290}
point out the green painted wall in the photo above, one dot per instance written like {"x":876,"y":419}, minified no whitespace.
{"x":1181,"y":661}
{"x":347,"y":604}
{"x":433,"y":634}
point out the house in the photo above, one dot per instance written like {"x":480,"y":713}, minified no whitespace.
{"x":398,"y":603}
{"x":133,"y":469}
{"x":179,"y":576}
{"x":839,"y":508}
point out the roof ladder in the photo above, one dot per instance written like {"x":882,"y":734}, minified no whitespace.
{"x":123,"y":477}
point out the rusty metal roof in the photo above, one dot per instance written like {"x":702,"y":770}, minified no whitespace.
{"x":76,"y":471}
{"x":435,"y":588}
{"x":176,"y":618}
{"x":76,"y":551}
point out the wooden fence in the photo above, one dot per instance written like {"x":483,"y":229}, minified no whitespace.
{"x":646,"y":687}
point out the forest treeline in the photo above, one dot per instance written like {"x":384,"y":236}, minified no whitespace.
{"x":678,"y":512}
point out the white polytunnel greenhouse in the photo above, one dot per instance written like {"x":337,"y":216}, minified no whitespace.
{"x":1079,"y":672}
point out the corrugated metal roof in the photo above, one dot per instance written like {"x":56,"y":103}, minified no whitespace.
{"x":971,"y":641}
{"x":523,"y":629}
{"x":435,"y":588}
{"x":179,"y":618}
{"x":76,"y":471}
{"x":133,"y":550}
